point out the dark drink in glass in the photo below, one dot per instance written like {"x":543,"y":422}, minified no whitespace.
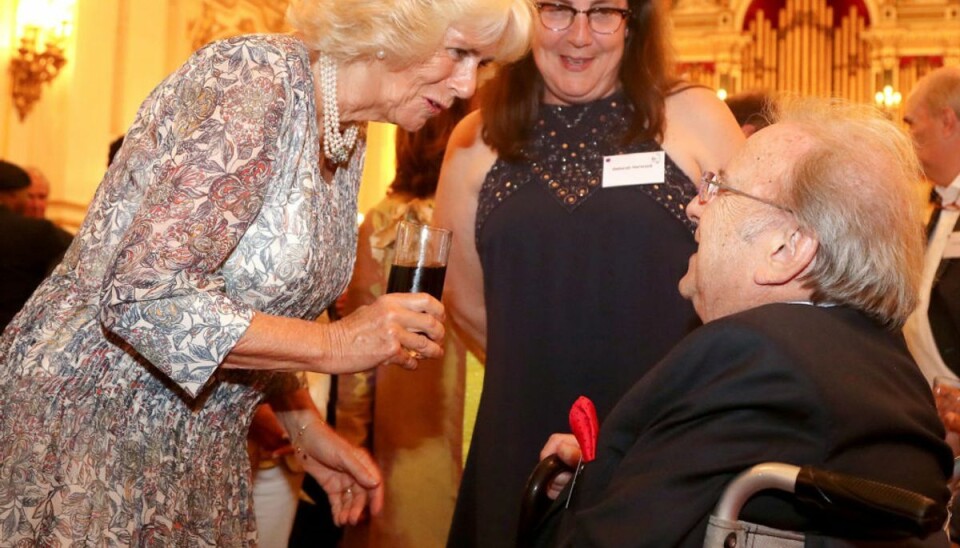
{"x":417,"y":279}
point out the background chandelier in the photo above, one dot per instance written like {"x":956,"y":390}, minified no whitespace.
{"x":43,"y":27}
{"x":888,"y":99}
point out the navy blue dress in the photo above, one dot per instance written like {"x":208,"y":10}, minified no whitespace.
{"x":581,"y":292}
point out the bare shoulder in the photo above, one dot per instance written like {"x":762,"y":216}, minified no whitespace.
{"x":701,"y":133}
{"x":697,"y":105}
{"x":467,"y":155}
{"x":468,"y":132}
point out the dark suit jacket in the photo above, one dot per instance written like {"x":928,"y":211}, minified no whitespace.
{"x":944,"y":312}
{"x":29,"y":249}
{"x":785,"y":382}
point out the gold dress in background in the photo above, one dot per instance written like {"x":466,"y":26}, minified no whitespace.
{"x":412,"y":420}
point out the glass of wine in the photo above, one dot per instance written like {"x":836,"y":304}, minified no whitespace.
{"x":946,"y":394}
{"x":420,"y":259}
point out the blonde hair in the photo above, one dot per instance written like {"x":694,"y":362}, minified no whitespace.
{"x":409,"y":31}
{"x":853,"y":189}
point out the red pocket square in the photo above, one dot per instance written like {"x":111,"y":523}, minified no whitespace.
{"x":585,"y":427}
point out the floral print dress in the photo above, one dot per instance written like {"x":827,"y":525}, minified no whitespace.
{"x":116,"y":426}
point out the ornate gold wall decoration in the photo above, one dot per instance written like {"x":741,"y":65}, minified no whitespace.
{"x":840,"y":48}
{"x":224,"y":18}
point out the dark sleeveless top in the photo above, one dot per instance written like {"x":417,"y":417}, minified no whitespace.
{"x":580,"y":284}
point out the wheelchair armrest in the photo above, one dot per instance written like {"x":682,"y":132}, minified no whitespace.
{"x":871,"y":503}
{"x":535,"y":503}
{"x":866,"y":504}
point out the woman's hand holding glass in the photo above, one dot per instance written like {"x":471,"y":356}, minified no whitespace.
{"x":394,"y":329}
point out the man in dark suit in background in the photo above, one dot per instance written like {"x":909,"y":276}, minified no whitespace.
{"x":809,"y":258}
{"x":29,"y":248}
{"x":932,"y":113}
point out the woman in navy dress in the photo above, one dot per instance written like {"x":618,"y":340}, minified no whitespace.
{"x":565,"y":264}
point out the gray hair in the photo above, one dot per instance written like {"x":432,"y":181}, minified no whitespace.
{"x":409,"y":31}
{"x":854,"y":189}
{"x":940,"y":89}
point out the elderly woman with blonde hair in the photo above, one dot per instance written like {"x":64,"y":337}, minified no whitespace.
{"x":224,"y":225}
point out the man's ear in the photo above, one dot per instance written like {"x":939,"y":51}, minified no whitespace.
{"x":948,"y":119}
{"x":790,"y":252}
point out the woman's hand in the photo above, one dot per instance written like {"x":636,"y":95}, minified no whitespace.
{"x":267,"y":432}
{"x":567,"y":448}
{"x":348,"y":475}
{"x":397,"y":328}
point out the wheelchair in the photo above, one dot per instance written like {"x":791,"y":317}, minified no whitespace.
{"x":878,"y":510}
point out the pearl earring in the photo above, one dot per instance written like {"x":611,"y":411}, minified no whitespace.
{"x":381,"y":55}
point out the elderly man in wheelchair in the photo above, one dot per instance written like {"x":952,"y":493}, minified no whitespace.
{"x":809,"y":259}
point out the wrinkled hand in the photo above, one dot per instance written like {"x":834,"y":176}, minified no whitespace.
{"x":566,"y":447}
{"x":397,"y":328}
{"x":348,"y":475}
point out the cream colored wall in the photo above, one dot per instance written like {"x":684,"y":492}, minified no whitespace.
{"x":118,"y":52}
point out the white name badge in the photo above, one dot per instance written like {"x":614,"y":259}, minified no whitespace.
{"x":641,"y":168}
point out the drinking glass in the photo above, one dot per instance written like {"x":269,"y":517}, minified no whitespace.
{"x":420,"y":259}
{"x":946,"y":394}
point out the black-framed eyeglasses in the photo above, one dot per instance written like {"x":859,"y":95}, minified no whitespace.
{"x":711,"y":184}
{"x":602,"y":20}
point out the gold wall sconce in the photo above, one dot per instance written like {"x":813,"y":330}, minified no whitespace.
{"x":43,"y":27}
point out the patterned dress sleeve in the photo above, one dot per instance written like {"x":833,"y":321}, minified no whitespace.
{"x":218,"y":121}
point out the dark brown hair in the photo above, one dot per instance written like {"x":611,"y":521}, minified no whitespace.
{"x":510,"y":101}
{"x":420,"y":153}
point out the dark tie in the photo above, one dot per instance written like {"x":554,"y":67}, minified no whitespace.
{"x":937,"y":202}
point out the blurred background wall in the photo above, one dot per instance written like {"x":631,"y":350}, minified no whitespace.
{"x":116,"y":51}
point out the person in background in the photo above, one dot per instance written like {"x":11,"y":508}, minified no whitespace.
{"x":566,"y":196}
{"x":226,"y":224}
{"x":37,"y":194}
{"x":808,"y":263}
{"x":752,"y":109}
{"x":37,"y":197}
{"x":932,"y":114}
{"x":411,"y":423}
{"x":30,"y":248}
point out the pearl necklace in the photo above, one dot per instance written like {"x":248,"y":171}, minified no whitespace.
{"x":336,"y":146}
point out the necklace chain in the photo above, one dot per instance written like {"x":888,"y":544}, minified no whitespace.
{"x":336,"y":145}
{"x":561,"y":114}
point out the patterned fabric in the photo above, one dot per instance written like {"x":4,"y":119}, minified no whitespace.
{"x":117,"y":427}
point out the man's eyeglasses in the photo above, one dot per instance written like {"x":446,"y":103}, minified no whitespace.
{"x":602,"y":20}
{"x":711,"y":184}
